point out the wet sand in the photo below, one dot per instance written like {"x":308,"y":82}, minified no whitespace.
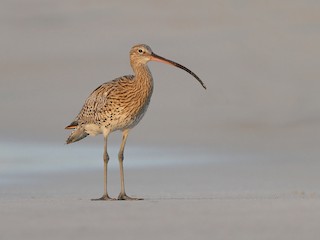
{"x":242,"y":197}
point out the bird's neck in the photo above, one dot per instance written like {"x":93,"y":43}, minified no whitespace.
{"x":143,"y":76}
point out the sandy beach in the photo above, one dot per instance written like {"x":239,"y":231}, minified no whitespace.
{"x":236,"y":196}
{"x":237,"y":161}
{"x":208,"y":202}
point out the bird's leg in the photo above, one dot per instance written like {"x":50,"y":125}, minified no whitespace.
{"x":105,"y":172}
{"x":123,"y":195}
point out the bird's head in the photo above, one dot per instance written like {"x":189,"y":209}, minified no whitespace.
{"x":140,"y":54}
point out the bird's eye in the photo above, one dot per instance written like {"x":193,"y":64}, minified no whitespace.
{"x":140,"y":50}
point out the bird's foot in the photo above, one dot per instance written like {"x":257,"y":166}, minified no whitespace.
{"x":104,"y":198}
{"x":123,"y":196}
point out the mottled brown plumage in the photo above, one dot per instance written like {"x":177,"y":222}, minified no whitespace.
{"x":119,"y":105}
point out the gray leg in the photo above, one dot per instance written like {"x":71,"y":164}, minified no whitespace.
{"x":123,"y":195}
{"x":105,"y":171}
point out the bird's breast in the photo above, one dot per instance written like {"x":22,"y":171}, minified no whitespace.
{"x":125,"y":109}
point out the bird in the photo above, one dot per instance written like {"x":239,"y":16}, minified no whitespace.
{"x":119,"y":104}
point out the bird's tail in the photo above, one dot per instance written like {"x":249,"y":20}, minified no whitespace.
{"x":77,"y":135}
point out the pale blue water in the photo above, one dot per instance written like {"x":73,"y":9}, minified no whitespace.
{"x":19,"y":159}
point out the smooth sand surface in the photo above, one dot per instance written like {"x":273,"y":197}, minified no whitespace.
{"x":162,"y":219}
{"x":247,"y":197}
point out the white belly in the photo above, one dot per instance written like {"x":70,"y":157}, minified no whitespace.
{"x":93,"y":129}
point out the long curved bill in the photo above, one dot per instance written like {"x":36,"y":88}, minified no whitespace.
{"x":157,"y":58}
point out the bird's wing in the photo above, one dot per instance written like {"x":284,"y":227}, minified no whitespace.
{"x":97,"y":101}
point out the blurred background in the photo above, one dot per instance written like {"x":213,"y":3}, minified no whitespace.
{"x":259,"y":60}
